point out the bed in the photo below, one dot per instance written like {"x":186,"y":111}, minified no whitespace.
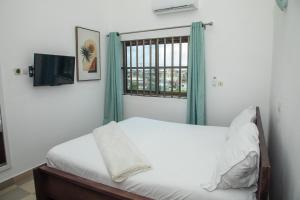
{"x":182,"y":160}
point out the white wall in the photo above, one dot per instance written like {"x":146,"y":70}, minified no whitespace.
{"x":155,"y":108}
{"x":284,"y":138}
{"x":238,"y":52}
{"x":38,"y":118}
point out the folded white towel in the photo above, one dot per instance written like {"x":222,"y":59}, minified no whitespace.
{"x":122,"y":158}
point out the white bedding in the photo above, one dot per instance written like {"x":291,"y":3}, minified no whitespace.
{"x":182,"y":157}
{"x":121,"y":156}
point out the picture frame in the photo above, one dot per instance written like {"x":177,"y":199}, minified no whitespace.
{"x":88,"y":54}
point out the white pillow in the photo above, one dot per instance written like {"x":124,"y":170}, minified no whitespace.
{"x":238,"y":163}
{"x":246,"y":116}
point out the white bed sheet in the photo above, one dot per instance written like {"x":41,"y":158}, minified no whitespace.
{"x":182,"y":157}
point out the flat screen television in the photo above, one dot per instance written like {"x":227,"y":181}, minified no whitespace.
{"x":53,"y":70}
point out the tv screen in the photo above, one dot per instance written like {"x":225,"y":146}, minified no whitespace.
{"x":53,"y":70}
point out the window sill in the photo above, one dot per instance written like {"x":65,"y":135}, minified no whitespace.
{"x":157,"y":96}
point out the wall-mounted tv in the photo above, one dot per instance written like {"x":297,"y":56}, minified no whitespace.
{"x":53,"y":70}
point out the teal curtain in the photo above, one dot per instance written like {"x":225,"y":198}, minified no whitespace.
{"x":196,"y":77}
{"x":282,"y":4}
{"x":113,"y":108}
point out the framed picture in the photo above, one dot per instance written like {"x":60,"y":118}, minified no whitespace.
{"x":88,"y":54}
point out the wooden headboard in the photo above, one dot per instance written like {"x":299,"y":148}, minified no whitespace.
{"x":265,"y":167}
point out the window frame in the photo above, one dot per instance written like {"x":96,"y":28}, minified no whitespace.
{"x":156,"y":66}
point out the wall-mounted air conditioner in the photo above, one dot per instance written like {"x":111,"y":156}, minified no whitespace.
{"x":171,"y":6}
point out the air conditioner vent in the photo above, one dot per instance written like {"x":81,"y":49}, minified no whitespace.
{"x":170,"y":6}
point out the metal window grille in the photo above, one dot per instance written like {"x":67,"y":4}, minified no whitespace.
{"x":156,"y":67}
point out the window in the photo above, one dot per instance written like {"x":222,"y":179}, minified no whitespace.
{"x":156,"y":67}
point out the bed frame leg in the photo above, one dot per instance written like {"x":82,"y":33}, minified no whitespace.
{"x":38,"y":183}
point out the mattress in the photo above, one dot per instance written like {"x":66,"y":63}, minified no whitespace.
{"x":182,"y":157}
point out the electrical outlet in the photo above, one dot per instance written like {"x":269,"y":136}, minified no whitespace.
{"x":220,"y":84}
{"x":214,"y":81}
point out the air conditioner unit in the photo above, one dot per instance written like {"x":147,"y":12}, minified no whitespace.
{"x":171,"y":6}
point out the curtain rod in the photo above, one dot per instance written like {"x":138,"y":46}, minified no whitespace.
{"x":166,"y":28}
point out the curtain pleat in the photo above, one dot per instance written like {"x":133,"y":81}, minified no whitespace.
{"x":196,"y":77}
{"x":282,"y":4}
{"x":113,"y":108}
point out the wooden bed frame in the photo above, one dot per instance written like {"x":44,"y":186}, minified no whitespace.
{"x":53,"y":184}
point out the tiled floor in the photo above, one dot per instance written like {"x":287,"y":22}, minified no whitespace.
{"x":22,"y":190}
